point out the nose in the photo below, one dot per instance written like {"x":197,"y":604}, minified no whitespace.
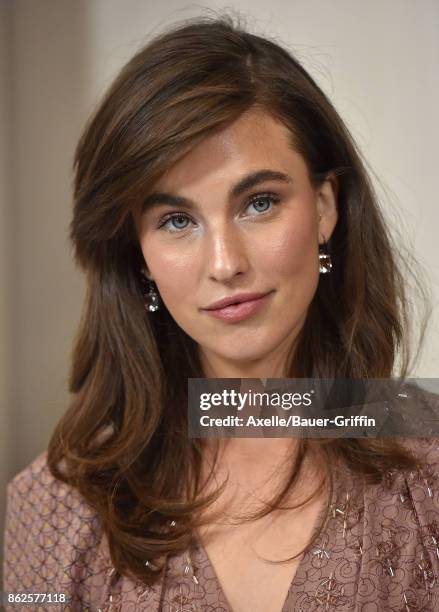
{"x":226,"y":254}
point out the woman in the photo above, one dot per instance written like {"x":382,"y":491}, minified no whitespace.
{"x":215,"y":168}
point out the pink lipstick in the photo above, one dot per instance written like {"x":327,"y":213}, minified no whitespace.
{"x":238,"y":307}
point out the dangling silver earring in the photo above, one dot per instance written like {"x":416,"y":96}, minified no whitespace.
{"x":324,"y":258}
{"x":150,"y":295}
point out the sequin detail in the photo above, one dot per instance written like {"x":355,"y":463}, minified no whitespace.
{"x":379,"y":550}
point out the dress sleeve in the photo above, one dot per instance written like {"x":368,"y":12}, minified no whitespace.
{"x":51,"y":540}
{"x":423,"y":491}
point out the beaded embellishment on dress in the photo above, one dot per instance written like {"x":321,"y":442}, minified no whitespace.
{"x":346,"y":517}
{"x":379,"y":549}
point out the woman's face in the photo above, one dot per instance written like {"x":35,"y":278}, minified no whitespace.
{"x":238,"y":215}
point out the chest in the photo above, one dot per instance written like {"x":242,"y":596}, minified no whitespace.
{"x":240,"y":556}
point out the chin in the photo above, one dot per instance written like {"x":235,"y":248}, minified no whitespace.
{"x":241,"y":355}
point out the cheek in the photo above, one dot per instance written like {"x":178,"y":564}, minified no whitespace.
{"x":293,"y":250}
{"x":294,"y":261}
{"x":171,"y":271}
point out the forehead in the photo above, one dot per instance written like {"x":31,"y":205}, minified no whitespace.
{"x":254,"y":140}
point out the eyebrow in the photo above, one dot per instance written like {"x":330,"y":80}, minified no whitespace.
{"x":248,"y":181}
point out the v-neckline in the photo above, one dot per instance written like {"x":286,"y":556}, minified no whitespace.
{"x":301,"y":569}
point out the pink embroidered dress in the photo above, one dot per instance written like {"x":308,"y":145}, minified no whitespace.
{"x":378,"y":551}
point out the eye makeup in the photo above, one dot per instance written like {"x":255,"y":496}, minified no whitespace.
{"x":274,"y":199}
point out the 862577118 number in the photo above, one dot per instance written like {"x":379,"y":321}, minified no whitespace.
{"x":23,"y":599}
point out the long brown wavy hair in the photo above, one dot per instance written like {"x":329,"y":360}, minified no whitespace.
{"x":123,"y":440}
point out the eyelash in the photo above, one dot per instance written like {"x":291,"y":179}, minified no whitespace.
{"x":261,"y":196}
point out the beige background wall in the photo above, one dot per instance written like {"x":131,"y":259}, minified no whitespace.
{"x":377,"y":60}
{"x":5,"y":240}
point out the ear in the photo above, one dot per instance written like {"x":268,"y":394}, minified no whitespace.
{"x":146,"y":272}
{"x":327,"y":207}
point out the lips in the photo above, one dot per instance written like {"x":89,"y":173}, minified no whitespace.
{"x":239,"y":298}
{"x":233,"y":312}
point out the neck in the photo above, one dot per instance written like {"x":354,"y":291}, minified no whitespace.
{"x":270,"y":366}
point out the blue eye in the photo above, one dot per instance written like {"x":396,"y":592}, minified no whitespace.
{"x":262,"y":198}
{"x":175,"y":217}
{"x":179,"y":222}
